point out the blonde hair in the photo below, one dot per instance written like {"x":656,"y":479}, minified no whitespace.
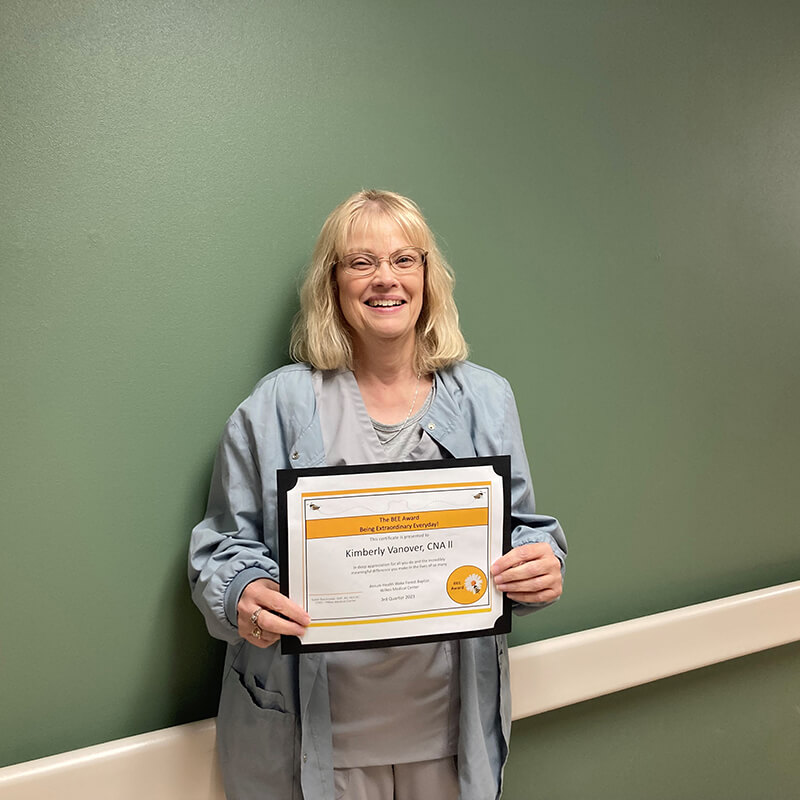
{"x":320,"y":335}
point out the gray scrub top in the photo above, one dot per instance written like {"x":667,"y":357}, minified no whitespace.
{"x":389,"y":705}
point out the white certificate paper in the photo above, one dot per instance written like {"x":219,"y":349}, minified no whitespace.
{"x":394,"y":553}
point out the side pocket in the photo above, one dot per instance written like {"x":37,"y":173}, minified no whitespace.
{"x":264,"y":698}
{"x":257,"y":742}
{"x":341,"y":780}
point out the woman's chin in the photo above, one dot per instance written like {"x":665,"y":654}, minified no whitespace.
{"x":385,"y":333}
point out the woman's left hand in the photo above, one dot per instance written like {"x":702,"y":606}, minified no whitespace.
{"x":530,"y":573}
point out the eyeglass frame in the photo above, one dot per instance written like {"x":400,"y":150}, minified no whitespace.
{"x":364,"y":273}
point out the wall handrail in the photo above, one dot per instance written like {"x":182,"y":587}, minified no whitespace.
{"x":552,"y":673}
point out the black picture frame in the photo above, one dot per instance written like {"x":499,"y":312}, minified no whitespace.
{"x":287,"y":480}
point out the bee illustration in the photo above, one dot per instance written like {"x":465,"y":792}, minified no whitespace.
{"x":314,"y":506}
{"x":478,"y":496}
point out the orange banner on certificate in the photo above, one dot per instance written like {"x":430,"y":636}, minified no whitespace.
{"x":396,"y":523}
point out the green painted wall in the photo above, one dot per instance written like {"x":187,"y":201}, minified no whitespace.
{"x":616,"y":186}
{"x":727,"y":732}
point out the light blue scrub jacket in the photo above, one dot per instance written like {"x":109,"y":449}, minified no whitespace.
{"x":273,"y":727}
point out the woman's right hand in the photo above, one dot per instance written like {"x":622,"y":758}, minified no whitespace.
{"x":279,"y":615}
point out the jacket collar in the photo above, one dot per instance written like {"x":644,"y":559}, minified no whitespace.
{"x":445,"y":422}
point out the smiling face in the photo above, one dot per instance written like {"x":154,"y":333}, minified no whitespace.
{"x":381,"y":306}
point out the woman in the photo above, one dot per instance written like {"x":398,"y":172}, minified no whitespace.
{"x":382,"y":377}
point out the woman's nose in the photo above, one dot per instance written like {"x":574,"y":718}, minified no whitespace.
{"x":384,"y":272}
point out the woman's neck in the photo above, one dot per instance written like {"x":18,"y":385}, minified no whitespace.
{"x":389,"y":382}
{"x":384,"y":362}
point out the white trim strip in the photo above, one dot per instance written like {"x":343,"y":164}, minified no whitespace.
{"x":162,"y":765}
{"x":568,"y":669}
{"x":181,"y":761}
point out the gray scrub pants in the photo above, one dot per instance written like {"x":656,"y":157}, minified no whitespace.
{"x":419,"y":780}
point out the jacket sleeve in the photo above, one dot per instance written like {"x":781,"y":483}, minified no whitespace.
{"x":528,"y":526}
{"x":228,"y":548}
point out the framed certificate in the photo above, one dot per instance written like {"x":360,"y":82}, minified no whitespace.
{"x":389,"y":554}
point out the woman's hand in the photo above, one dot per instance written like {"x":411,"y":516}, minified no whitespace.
{"x":530,"y":573}
{"x":278,"y":615}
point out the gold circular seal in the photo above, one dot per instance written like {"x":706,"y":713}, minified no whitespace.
{"x":466,"y":585}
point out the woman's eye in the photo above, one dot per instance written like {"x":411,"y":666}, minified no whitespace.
{"x":360,"y":263}
{"x":404,"y":261}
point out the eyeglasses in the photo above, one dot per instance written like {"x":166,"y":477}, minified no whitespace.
{"x":401,"y":261}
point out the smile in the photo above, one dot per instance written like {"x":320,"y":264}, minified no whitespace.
{"x":384,"y":303}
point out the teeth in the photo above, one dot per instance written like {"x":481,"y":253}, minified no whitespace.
{"x":384,"y":303}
